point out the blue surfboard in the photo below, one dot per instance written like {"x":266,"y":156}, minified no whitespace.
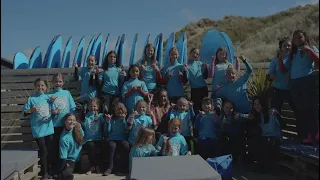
{"x":55,"y":54}
{"x":229,"y":47}
{"x":169,"y":45}
{"x":88,"y":52}
{"x":96,"y":49}
{"x":180,"y":46}
{"x":160,"y":51}
{"x":147,"y":41}
{"x":105,"y":50}
{"x":20,"y":61}
{"x":185,"y":47}
{"x":212,"y":40}
{"x":117,"y":45}
{"x":79,"y":52}
{"x":65,"y":63}
{"x":121,"y":50}
{"x":45,"y":59}
{"x":35,"y":59}
{"x":133,"y":50}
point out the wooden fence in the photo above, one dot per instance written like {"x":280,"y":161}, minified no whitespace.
{"x":17,"y":86}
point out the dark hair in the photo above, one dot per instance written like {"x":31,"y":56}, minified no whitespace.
{"x":106,"y":62}
{"x":76,"y":133}
{"x":131,"y":67}
{"x":145,"y":58}
{"x":265,"y":110}
{"x":158,"y":96}
{"x":221,"y":49}
{"x":193,"y":49}
{"x":206,"y":100}
{"x":294,"y":48}
{"x":233,"y":106}
{"x":281,"y":41}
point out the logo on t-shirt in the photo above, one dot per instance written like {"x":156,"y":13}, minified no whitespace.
{"x":44,"y":112}
{"x":175,"y":148}
{"x":61,"y":103}
{"x":93,"y":126}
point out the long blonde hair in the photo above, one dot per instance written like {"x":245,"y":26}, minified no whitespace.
{"x":143,"y":134}
{"x":153,"y":57}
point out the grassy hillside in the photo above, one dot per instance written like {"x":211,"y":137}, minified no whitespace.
{"x":257,"y":37}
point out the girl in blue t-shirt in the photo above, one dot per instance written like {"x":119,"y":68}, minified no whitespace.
{"x":70,"y":145}
{"x":93,"y":125}
{"x":64,"y":104}
{"x":111,"y":81}
{"x":116,"y":138}
{"x":196,"y":72}
{"x":280,"y":75}
{"x":133,"y":89}
{"x":303,"y":87}
{"x":39,"y":107}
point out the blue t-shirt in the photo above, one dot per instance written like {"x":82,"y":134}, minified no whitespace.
{"x":149,"y":75}
{"x":147,"y":150}
{"x":139,"y":121}
{"x":272,"y":128}
{"x":64,"y":104}
{"x":131,"y":101}
{"x":87,"y":92}
{"x":236,"y":92}
{"x":111,"y":80}
{"x":282,"y":79}
{"x":302,"y":65}
{"x":68,"y":147}
{"x":92,"y":126}
{"x":195,"y":74}
{"x":174,"y":85}
{"x":219,"y":77}
{"x":41,"y":121}
{"x":117,"y":129}
{"x":207,"y":125}
{"x":178,"y":144}
{"x":186,"y":120}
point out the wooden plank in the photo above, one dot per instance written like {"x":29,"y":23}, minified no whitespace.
{"x":18,"y":137}
{"x":288,"y":114}
{"x":20,"y":97}
{"x":12,"y":129}
{"x":23,"y":79}
{"x":36,"y":71}
{"x":16,"y":122}
{"x":17,"y":108}
{"x":23,"y":86}
{"x":12,"y":116}
{"x":21,"y":145}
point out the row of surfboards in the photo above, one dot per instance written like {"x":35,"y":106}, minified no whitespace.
{"x":212,"y":40}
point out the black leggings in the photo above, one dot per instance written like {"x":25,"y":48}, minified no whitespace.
{"x":195,"y":142}
{"x":108,"y":101}
{"x":45,"y":147}
{"x":55,"y":149}
{"x":66,"y":174}
{"x":197,"y":94}
{"x":279,"y":96}
{"x":90,"y":147}
{"x":121,"y":147}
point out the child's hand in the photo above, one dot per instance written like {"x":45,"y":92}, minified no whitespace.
{"x":186,"y":66}
{"x":250,"y":116}
{"x":34,"y":109}
{"x":52,"y":98}
{"x":273,"y":112}
{"x":170,"y":73}
{"x":224,"y":120}
{"x":108,"y":117}
{"x":100,"y":70}
{"x":243,"y":58}
{"x":201,"y":113}
{"x":189,"y":153}
{"x":237,"y":60}
{"x":190,"y":103}
{"x":213,"y":59}
{"x":204,"y":65}
{"x":77,"y":124}
{"x":75,"y":64}
{"x":236,"y":116}
{"x":180,"y":73}
{"x":142,"y":67}
{"x":218,"y":86}
{"x":165,"y":139}
{"x":139,"y":88}
{"x":54,"y":111}
{"x":150,"y":97}
{"x":135,"y":88}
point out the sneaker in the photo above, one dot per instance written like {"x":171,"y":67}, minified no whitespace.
{"x":107,"y":172}
{"x":46,"y":176}
{"x":91,"y":170}
{"x":97,"y":170}
{"x":308,"y":140}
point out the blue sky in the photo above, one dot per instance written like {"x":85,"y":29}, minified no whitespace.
{"x":28,"y":24}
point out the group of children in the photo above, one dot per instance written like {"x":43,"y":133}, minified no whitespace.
{"x":128,"y":113}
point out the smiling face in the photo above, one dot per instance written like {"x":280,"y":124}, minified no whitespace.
{"x":70,"y":122}
{"x":134,"y":72}
{"x":221,"y":55}
{"x":94,"y":107}
{"x":257,"y":105}
{"x":299,"y":39}
{"x":142,"y":107}
{"x":195,"y":54}
{"x":163,"y":98}
{"x":182,"y":105}
{"x":174,"y":129}
{"x":231,"y":74}
{"x":286,"y":47}
{"x":207,"y":106}
{"x":40,"y":87}
{"x":228,"y":108}
{"x":149,"y":51}
{"x":120,"y":110}
{"x":112,"y":58}
{"x":91,"y":61}
{"x":174,"y":54}
{"x":58,"y":83}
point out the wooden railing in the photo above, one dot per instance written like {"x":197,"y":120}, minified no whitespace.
{"x":17,"y":86}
